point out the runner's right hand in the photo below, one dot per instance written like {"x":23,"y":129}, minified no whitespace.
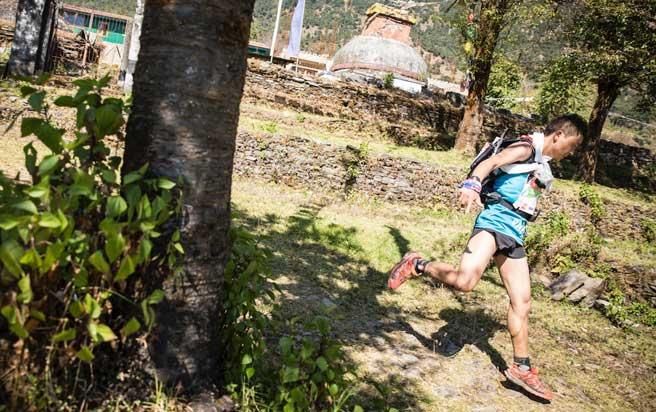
{"x":469,"y":197}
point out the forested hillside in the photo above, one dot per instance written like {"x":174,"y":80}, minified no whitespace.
{"x":527,"y":45}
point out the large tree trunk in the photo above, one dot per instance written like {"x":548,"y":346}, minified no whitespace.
{"x":492,"y":15}
{"x":188,"y":85}
{"x":25,"y":49}
{"x":607,"y":92}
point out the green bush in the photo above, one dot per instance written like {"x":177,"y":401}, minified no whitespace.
{"x":388,"y":80}
{"x":77,"y":239}
{"x":306,"y":373}
{"x":590,"y":197}
{"x":648,"y":227}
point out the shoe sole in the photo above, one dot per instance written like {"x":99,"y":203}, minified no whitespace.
{"x":394,"y":269}
{"x":527,"y":388}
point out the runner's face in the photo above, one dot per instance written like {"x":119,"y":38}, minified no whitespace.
{"x":565,"y":144}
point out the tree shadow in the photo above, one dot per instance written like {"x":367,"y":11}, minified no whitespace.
{"x":401,"y":242}
{"x":317,"y":264}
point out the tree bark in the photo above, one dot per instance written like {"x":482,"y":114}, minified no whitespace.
{"x":27,"y":37}
{"x":607,"y":92}
{"x":492,"y":20}
{"x":188,"y":85}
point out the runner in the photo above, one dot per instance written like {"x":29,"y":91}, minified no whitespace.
{"x":508,"y":185}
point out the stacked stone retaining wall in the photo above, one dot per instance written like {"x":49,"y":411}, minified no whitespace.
{"x":301,"y":162}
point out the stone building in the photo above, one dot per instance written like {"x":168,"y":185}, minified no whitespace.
{"x":383,"y":48}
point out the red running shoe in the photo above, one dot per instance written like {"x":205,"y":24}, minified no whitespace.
{"x":403,"y":270}
{"x":529,"y":380}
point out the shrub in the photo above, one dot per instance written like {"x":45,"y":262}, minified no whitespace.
{"x":76,"y":240}
{"x":388,"y":80}
{"x":648,"y":227}
{"x":306,"y":373}
{"x":591,"y":198}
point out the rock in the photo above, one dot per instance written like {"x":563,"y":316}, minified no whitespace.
{"x":594,"y":288}
{"x":566,"y":284}
{"x":601,"y":304}
{"x":225,"y":404}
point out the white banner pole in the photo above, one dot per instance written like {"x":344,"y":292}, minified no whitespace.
{"x":275,"y":30}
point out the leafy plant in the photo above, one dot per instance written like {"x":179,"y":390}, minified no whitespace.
{"x":504,"y":84}
{"x":648,"y":227}
{"x":270,"y":127}
{"x":77,"y":240}
{"x":388,"y":80}
{"x":591,"y":198}
{"x":312,"y":374}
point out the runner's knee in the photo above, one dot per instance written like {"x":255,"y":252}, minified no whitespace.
{"x":467,"y":279}
{"x":521,"y":306}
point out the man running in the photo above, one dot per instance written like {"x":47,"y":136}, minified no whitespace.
{"x":517,"y":175}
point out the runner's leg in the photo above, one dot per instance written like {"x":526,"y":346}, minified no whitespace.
{"x":515,"y":276}
{"x":480,"y":249}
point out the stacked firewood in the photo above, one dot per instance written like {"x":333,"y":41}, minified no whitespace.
{"x":6,"y":34}
{"x":75,"y":51}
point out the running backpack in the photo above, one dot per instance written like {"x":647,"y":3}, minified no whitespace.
{"x":490,"y":149}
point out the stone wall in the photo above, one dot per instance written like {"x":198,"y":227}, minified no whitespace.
{"x":428,"y":121}
{"x":297,"y":161}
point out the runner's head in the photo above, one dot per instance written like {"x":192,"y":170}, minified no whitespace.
{"x":563,"y":135}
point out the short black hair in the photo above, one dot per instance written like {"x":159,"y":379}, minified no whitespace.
{"x":569,"y":123}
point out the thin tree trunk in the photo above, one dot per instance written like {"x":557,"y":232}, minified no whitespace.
{"x":188,"y":85}
{"x":27,"y":36}
{"x":607,"y":92}
{"x":491,"y":23}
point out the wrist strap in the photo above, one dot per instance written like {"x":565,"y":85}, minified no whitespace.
{"x":472,"y":184}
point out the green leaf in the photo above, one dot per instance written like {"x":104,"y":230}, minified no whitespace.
{"x":36,"y":192}
{"x":10,"y":254}
{"x":114,"y":247}
{"x":65,"y":335}
{"x":48,"y":164}
{"x":246,"y":359}
{"x":156,"y":297}
{"x":145,"y":248}
{"x":26,"y":206}
{"x":108,"y":119}
{"x":36,"y":101}
{"x":49,"y":220}
{"x":92,"y":307}
{"x":126,"y":269}
{"x":250,"y":372}
{"x":65,"y":101}
{"x":104,"y":333}
{"x":178,"y":247}
{"x":333,"y":389}
{"x":109,"y":176}
{"x":15,"y":323}
{"x":131,"y":178}
{"x":98,"y":261}
{"x":25,"y":287}
{"x":76,"y":309}
{"x":38,"y":315}
{"x":81,"y":278}
{"x":290,"y":374}
{"x":165,"y":184}
{"x":132,"y":326}
{"x":288,"y":408}
{"x":30,"y":125}
{"x":30,"y":158}
{"x":8,"y":222}
{"x":85,"y":354}
{"x":27,"y":90}
{"x":358,"y":408}
{"x":321,"y":363}
{"x":116,"y":206}
{"x":285,"y":343}
{"x":50,"y":136}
